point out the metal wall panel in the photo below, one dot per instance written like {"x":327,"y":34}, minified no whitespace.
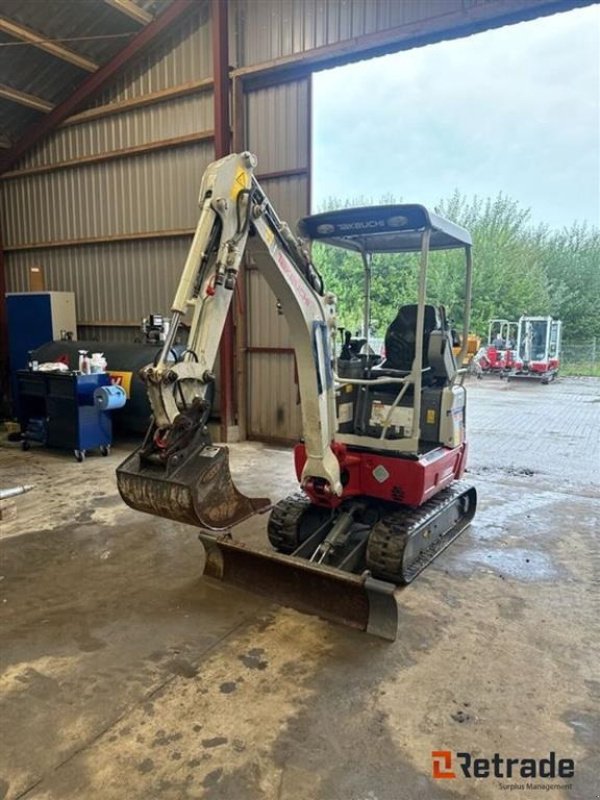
{"x":278,"y":132}
{"x":145,"y":193}
{"x":177,"y":117}
{"x":272,"y":29}
{"x":183,"y":55}
{"x":267,"y":328}
{"x":117,"y":282}
{"x":277,"y":126}
{"x":273,"y":397}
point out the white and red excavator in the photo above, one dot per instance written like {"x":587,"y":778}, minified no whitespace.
{"x":383,"y":446}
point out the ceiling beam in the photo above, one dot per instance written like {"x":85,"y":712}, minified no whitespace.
{"x":131,"y":9}
{"x":93,"y":83}
{"x":25,"y":99}
{"x":36,"y":39}
{"x":474,"y":18}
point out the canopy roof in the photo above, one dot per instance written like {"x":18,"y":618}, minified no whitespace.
{"x":384,"y":229}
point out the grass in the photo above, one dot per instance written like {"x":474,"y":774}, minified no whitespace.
{"x":580,"y":368}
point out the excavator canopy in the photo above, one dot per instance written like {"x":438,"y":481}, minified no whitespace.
{"x":384,"y":229}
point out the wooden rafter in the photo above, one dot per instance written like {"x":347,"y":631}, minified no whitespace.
{"x":36,"y":39}
{"x":131,"y":9}
{"x":25,"y":99}
{"x":93,"y":83}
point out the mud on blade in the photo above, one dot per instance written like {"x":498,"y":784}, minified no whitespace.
{"x":196,"y":488}
{"x":357,"y":601}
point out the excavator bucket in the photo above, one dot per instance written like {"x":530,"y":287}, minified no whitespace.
{"x":197,"y":489}
{"x":357,"y":601}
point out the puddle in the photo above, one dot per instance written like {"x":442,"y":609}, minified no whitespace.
{"x":524,"y":565}
{"x":519,"y":507}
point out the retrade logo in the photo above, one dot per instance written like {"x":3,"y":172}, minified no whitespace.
{"x":441,"y":764}
{"x":444,"y":763}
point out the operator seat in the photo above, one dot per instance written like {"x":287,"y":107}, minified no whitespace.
{"x":400,"y":343}
{"x":400,"y":338}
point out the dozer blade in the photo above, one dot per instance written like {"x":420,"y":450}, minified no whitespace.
{"x":357,"y":601}
{"x":197,"y":489}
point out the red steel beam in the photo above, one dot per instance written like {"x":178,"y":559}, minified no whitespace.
{"x":222,"y":128}
{"x":3,"y":329}
{"x":93,"y":83}
{"x":221,"y":77}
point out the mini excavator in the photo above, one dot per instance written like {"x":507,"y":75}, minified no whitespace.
{"x":383,"y":448}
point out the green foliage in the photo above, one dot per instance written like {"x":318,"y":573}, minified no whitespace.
{"x":572,"y":262}
{"x":518,"y":269}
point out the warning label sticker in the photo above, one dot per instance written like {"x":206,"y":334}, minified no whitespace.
{"x":380,"y":473}
{"x":122,"y":379}
{"x":346,"y":412}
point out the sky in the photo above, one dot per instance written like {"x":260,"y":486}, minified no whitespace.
{"x":513,"y":110}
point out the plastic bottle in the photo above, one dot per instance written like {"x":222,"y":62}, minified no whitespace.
{"x":31,"y":361}
{"x":98,"y":362}
{"x":84,"y":362}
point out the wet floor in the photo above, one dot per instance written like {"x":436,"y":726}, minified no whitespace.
{"x":125,"y":674}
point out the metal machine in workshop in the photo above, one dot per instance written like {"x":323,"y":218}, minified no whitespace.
{"x":384,"y":442}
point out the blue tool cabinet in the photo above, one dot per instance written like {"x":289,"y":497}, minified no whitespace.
{"x":57,"y":410}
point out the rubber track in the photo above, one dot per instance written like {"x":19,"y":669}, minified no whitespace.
{"x":390,"y":536}
{"x":284,"y":521}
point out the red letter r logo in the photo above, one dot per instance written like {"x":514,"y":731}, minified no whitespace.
{"x":441,"y":764}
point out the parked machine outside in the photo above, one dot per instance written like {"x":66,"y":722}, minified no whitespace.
{"x":498,"y":356}
{"x":538,"y":349}
{"x":384,"y":441}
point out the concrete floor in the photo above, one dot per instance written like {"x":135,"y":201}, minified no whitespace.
{"x":125,"y":674}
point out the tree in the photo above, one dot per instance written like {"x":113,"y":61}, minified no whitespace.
{"x":518,"y":269}
{"x":572,"y":263}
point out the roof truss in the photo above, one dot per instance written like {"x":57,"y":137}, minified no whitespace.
{"x":42,"y":42}
{"x":25,"y":99}
{"x":131,"y":9}
{"x":93,"y":83}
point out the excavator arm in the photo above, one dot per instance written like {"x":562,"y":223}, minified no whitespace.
{"x":178,"y":473}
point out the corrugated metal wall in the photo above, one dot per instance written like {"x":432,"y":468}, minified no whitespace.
{"x":271,"y":29}
{"x":141,"y":194}
{"x":278,"y":132}
{"x":117,"y":282}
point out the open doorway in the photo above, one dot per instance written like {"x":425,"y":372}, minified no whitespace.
{"x":499,"y":132}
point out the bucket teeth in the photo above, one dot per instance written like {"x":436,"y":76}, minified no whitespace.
{"x":197,"y":490}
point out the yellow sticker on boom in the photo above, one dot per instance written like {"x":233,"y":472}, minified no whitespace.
{"x":241,"y":181}
{"x":269,"y":236}
{"x":431,"y":416}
